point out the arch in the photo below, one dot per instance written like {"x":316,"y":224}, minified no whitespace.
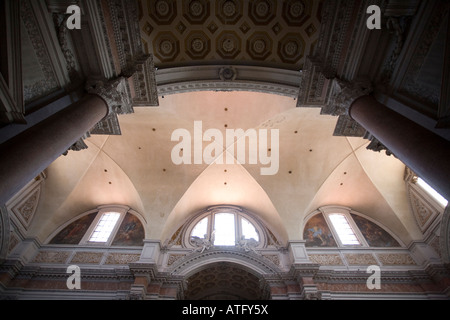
{"x":228,"y":78}
{"x":224,"y":280}
{"x":248,"y":261}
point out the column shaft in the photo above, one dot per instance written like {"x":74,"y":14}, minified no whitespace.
{"x":423,"y":151}
{"x":31,"y":152}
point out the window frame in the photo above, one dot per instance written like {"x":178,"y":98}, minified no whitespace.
{"x":238,"y":213}
{"x":346,"y":212}
{"x":431,"y":193}
{"x":85,"y":241}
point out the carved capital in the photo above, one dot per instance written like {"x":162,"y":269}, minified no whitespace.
{"x":116,"y":93}
{"x":343,"y":94}
{"x":376,"y":145}
{"x":79,"y":145}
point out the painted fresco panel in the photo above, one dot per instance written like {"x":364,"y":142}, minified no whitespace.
{"x":317,"y":233}
{"x":130,"y":233}
{"x":73,"y":233}
{"x":374,"y":234}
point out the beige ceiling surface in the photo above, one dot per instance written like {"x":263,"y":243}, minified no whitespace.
{"x":315,"y":169}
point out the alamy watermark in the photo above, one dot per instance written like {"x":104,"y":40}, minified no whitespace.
{"x":374,"y":280}
{"x":229,"y":149}
{"x":74,"y":20}
{"x":374,"y":21}
{"x":74,"y":280}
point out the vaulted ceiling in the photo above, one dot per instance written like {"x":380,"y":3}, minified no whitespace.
{"x":315,"y":169}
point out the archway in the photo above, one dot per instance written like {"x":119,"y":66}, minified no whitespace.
{"x":225,"y":281}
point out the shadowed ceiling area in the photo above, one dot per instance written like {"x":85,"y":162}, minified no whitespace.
{"x":223,"y":281}
{"x":258,"y":32}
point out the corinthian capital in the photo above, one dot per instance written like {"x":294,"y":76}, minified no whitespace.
{"x":116,"y":93}
{"x":343,"y":94}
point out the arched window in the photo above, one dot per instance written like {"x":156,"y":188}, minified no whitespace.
{"x":105,"y":226}
{"x":225,"y":227}
{"x":342,"y":227}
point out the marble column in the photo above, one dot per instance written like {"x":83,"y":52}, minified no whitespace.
{"x":423,"y":151}
{"x":31,"y":152}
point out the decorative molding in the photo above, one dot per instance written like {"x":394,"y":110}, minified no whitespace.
{"x":323,"y":64}
{"x":12,"y":109}
{"x":23,"y":205}
{"x":4,"y":233}
{"x":87,"y":258}
{"x":56,"y":257}
{"x":347,"y":127}
{"x":121,"y":258}
{"x":228,"y":78}
{"x":426,"y":210}
{"x":326,"y":259}
{"x":144,"y":78}
{"x":49,"y":82}
{"x":27,"y":207}
{"x":173,"y":258}
{"x":360,"y":259}
{"x":445,"y":236}
{"x":409,"y":84}
{"x":198,"y":260}
{"x":394,"y":259}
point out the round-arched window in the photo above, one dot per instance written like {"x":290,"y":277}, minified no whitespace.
{"x":225,"y":226}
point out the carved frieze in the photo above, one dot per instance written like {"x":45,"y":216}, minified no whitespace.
{"x":326,"y":259}
{"x":58,"y":257}
{"x":393,"y":259}
{"x":122,"y":258}
{"x":360,"y":259}
{"x":40,"y":79}
{"x":87,"y":258}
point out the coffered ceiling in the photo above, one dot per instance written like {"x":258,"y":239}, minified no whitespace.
{"x":269,"y":33}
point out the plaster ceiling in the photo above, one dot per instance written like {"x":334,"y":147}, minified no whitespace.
{"x":257,"y":32}
{"x":315,"y":169}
